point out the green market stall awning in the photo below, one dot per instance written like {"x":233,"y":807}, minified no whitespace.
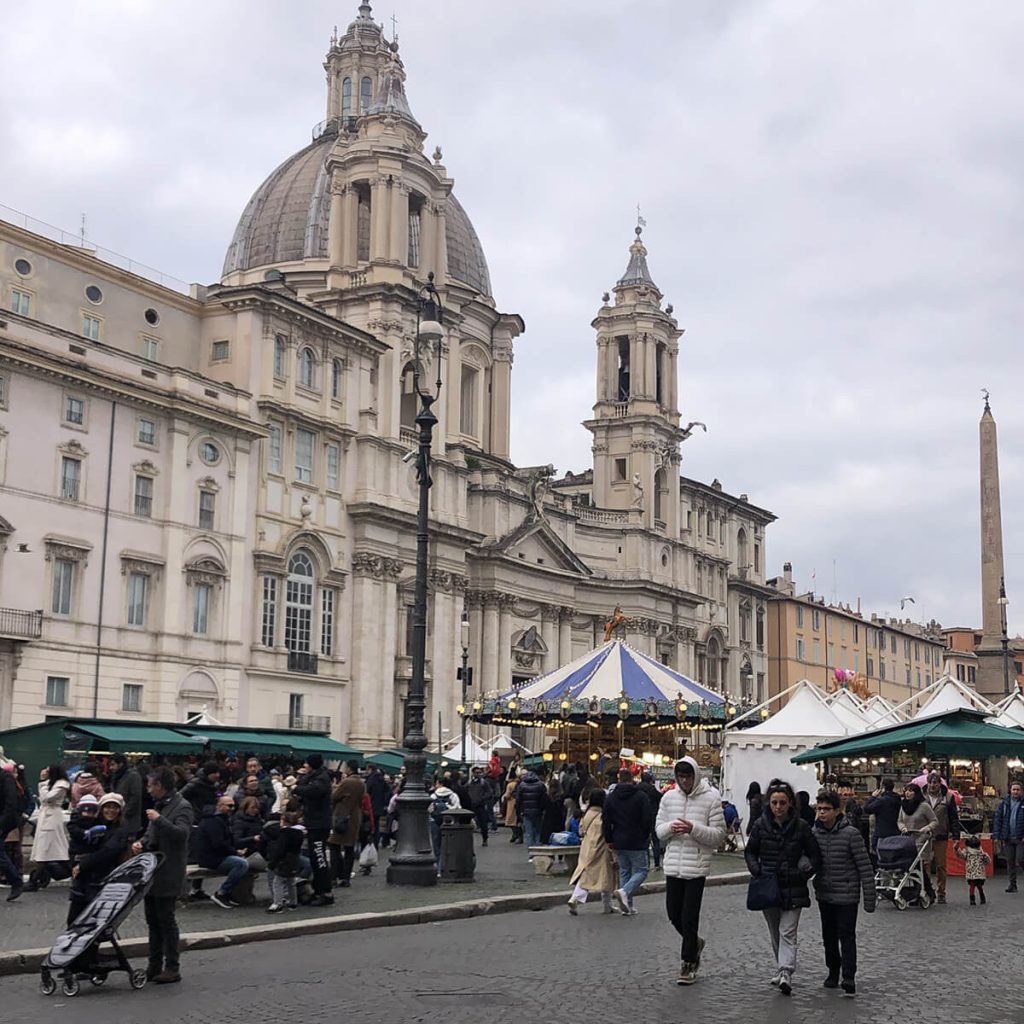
{"x":270,"y":741}
{"x":956,"y":734}
{"x":131,"y":738}
{"x":391,"y":761}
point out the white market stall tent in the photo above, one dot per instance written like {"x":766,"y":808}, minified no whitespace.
{"x":762,"y":752}
{"x":1011,"y":711}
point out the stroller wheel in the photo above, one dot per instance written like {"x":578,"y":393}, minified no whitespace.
{"x":137,"y":979}
{"x":901,"y":903}
{"x":97,"y":979}
{"x":70,"y":987}
{"x":924,"y":901}
{"x":47,"y":984}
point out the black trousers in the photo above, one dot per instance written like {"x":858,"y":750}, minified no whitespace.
{"x":318,"y":858}
{"x":163,"y":932}
{"x":839,"y":937}
{"x":342,"y":859}
{"x":483,"y":820}
{"x":683,"y":897}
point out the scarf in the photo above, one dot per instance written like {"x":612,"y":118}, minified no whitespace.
{"x":909,"y":806}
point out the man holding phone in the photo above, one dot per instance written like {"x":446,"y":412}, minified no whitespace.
{"x":691,"y":827}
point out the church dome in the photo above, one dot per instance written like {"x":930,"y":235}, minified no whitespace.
{"x":286,"y":221}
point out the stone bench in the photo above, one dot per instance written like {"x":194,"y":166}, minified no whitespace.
{"x":555,"y":860}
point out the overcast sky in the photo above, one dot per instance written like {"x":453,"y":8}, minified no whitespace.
{"x":833,"y":196}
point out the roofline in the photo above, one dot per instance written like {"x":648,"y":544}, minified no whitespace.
{"x":770,"y":517}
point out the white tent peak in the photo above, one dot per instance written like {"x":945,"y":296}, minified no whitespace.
{"x":1011,"y":711}
{"x":806,"y":713}
{"x":949,"y":694}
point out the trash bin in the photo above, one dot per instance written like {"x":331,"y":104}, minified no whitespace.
{"x":458,"y":860}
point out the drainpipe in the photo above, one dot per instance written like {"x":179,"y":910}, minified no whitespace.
{"x":103,"y":565}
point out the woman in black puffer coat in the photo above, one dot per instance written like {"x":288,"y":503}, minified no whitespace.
{"x":781,"y":844}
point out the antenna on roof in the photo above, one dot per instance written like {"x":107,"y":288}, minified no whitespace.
{"x":82,"y":231}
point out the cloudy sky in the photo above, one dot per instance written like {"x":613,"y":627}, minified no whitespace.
{"x":833,"y":192}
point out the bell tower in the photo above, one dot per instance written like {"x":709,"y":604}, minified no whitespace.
{"x":636,"y":416}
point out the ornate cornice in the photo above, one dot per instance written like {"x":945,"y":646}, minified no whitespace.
{"x":378,"y":567}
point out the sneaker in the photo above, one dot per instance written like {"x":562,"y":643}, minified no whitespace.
{"x":633,"y":911}
{"x":1011,"y":888}
{"x":832,"y":981}
{"x":849,"y":988}
{"x":974,"y":902}
{"x":620,"y":901}
{"x":687,"y":974}
{"x":942,"y":898}
{"x":222,"y":901}
{"x":775,"y":979}
{"x":276,"y":908}
{"x":786,"y":983}
{"x":168,"y":977}
{"x":572,"y":906}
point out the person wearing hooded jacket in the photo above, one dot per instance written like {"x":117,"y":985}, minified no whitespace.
{"x":691,"y":826}
{"x":845,"y":872}
{"x":627,"y":831}
{"x":531,"y":800}
{"x":314,"y":790}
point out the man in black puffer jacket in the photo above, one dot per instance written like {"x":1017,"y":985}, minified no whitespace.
{"x":314,"y":790}
{"x":531,"y":800}
{"x":845,"y":873}
{"x":627,"y":820}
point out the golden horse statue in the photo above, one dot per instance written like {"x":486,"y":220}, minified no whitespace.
{"x":613,"y":623}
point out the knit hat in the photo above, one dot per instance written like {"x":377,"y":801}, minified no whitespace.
{"x":88,"y":800}
{"x":109,"y":798}
{"x":315,"y":761}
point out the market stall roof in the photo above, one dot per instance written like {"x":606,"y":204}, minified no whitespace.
{"x":960,"y":733}
{"x":879,"y":712}
{"x":503,"y":742}
{"x":476,"y":751}
{"x":806,"y":713}
{"x":849,"y":710}
{"x":1011,"y":711}
{"x":953,"y":695}
{"x":271,"y":741}
{"x":609,"y":671}
{"x":392,"y":760}
{"x":136,"y":738}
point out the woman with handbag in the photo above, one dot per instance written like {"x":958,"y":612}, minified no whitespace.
{"x":50,"y":846}
{"x":347,"y":799}
{"x":781,"y":854}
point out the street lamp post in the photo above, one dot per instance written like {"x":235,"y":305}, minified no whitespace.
{"x":413,"y":860}
{"x":464,"y":635}
{"x":1003,"y":602}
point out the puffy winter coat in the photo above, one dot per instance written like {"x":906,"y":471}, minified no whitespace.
{"x":689,"y":856}
{"x":1008,"y":821}
{"x":627,"y":818}
{"x":845,"y":869}
{"x":213,"y":840}
{"x":531,"y":796}
{"x":789,"y":851}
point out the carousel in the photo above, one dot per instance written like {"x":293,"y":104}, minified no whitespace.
{"x":613,"y":703}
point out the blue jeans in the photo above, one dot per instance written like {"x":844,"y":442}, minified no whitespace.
{"x":632,"y":870}
{"x":531,"y":828}
{"x":234,"y":868}
{"x":7,"y":868}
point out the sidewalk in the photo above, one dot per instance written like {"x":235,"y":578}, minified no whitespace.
{"x":502,"y":870}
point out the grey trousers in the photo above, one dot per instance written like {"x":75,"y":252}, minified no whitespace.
{"x":782,"y":926}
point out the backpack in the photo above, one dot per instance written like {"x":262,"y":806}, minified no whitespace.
{"x":441,"y":805}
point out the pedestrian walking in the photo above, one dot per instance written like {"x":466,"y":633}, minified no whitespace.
{"x":918,"y":820}
{"x":531,"y":799}
{"x":50,"y":846}
{"x":1008,"y":831}
{"x":943,"y":803}
{"x":380,"y":793}
{"x":844,"y":873}
{"x":480,"y":796}
{"x":884,"y":804}
{"x":167,"y":832}
{"x":596,"y":870}
{"x":314,"y":790}
{"x":974,"y":869}
{"x":650,"y":790}
{"x":755,"y":805}
{"x":627,"y":830}
{"x":10,"y":820}
{"x":781,"y":855}
{"x":511,"y":812}
{"x":346,"y":819}
{"x":691,"y":825}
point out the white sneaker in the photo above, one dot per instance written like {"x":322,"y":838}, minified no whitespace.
{"x":572,"y":906}
{"x":775,"y":979}
{"x":276,"y":908}
{"x":621,"y":901}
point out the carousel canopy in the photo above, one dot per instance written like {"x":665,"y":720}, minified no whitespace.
{"x":598,"y":682}
{"x":958,"y":733}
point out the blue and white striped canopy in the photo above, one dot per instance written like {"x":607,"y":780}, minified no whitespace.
{"x":609,"y":671}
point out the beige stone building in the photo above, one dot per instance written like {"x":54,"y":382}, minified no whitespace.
{"x":206,"y":494}
{"x":809,"y":639}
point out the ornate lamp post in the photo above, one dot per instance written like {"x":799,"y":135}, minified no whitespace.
{"x":413,"y":859}
{"x":464,"y":636}
{"x":1003,"y":602}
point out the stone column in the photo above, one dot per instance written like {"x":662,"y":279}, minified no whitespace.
{"x":501,"y":397}
{"x":386,"y":725}
{"x":549,"y":634}
{"x":489,"y":646}
{"x":650,"y":368}
{"x":350,"y":223}
{"x":453,"y":375}
{"x":368,"y":675}
{"x":379,"y":210}
{"x":398,"y":248}
{"x":336,"y":225}
{"x":506,"y":603}
{"x":428,"y":240}
{"x":636,"y":370}
{"x":612,"y":370}
{"x":565,"y":617}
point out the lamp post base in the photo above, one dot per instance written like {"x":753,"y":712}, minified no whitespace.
{"x":413,"y":862}
{"x":417,"y":872}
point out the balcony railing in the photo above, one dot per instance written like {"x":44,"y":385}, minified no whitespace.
{"x":410,"y":435}
{"x":305,"y":723}
{"x":302,"y":661}
{"x":21,"y":625}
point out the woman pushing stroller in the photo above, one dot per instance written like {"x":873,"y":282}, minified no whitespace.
{"x":917,"y":819}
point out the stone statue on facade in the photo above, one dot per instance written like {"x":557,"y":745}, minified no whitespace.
{"x":638,"y":492}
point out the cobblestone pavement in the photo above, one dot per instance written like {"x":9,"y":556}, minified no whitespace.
{"x":947,"y":965}
{"x":35,"y":920}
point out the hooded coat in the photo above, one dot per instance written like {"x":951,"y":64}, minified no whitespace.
{"x":627,"y":817}
{"x":689,"y":856}
{"x":596,"y":870}
{"x":168,"y":834}
{"x":532,"y":795}
{"x":85,"y":782}
{"x":51,"y":842}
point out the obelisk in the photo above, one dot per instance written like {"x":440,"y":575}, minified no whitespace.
{"x":990,"y":652}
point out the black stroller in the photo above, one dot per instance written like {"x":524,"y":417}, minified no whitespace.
{"x":900,"y":875}
{"x":76,"y":955}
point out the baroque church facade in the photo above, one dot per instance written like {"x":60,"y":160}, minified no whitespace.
{"x":205,"y":500}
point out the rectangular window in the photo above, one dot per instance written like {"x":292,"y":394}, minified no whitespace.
{"x":842,"y":629}
{"x":274,"y":457}
{"x":757,"y":558}
{"x":150,"y":349}
{"x":917,"y":651}
{"x":410,"y":627}
{"x":3,"y":391}
{"x":70,"y":477}
{"x":467,"y":401}
{"x":856,"y":633}
{"x":892,"y":643}
{"x":131,"y":697}
{"x":268,"y":628}
{"x":856,"y":661}
{"x":138,"y":589}
{"x":63,"y":582}
{"x":817,"y":652}
{"x":333,"y":466}
{"x":799,"y":617}
{"x":908,"y":677}
{"x":801,"y":651}
{"x":147,"y":431}
{"x":21,"y":302}
{"x":927,"y":679}
{"x":91,"y":327}
{"x":327,"y":622}
{"x":816,"y":619}
{"x":871,"y":666}
{"x":304,"y":440}
{"x":207,"y":507}
{"x":906,"y":648}
{"x":144,"y":496}
{"x":760,"y":629}
{"x":57,"y":691}
{"x":296,"y":708}
{"x":279,"y":350}
{"x":689,"y":519}
{"x":201,"y":612}
{"x":971,"y":674}
{"x":620,"y":469}
{"x":829,"y":623}
{"x":220,"y":351}
{"x":881,"y":669}
{"x":74,"y":410}
{"x":831,"y":654}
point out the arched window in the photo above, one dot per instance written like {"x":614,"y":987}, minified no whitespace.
{"x":407,"y":413}
{"x":468,"y":401}
{"x":365,"y":95}
{"x":742,"y":562}
{"x":713,"y":655}
{"x":659,"y":495}
{"x":307,"y":368}
{"x":346,"y":98}
{"x":298,"y":610}
{"x":336,"y":379}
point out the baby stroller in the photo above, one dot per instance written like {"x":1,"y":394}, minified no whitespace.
{"x":76,"y":955}
{"x":900,"y":875}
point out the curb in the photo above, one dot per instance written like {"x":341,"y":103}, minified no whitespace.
{"x":28,"y":961}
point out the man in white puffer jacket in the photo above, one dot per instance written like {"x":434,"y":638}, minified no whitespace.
{"x":691,"y":827}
